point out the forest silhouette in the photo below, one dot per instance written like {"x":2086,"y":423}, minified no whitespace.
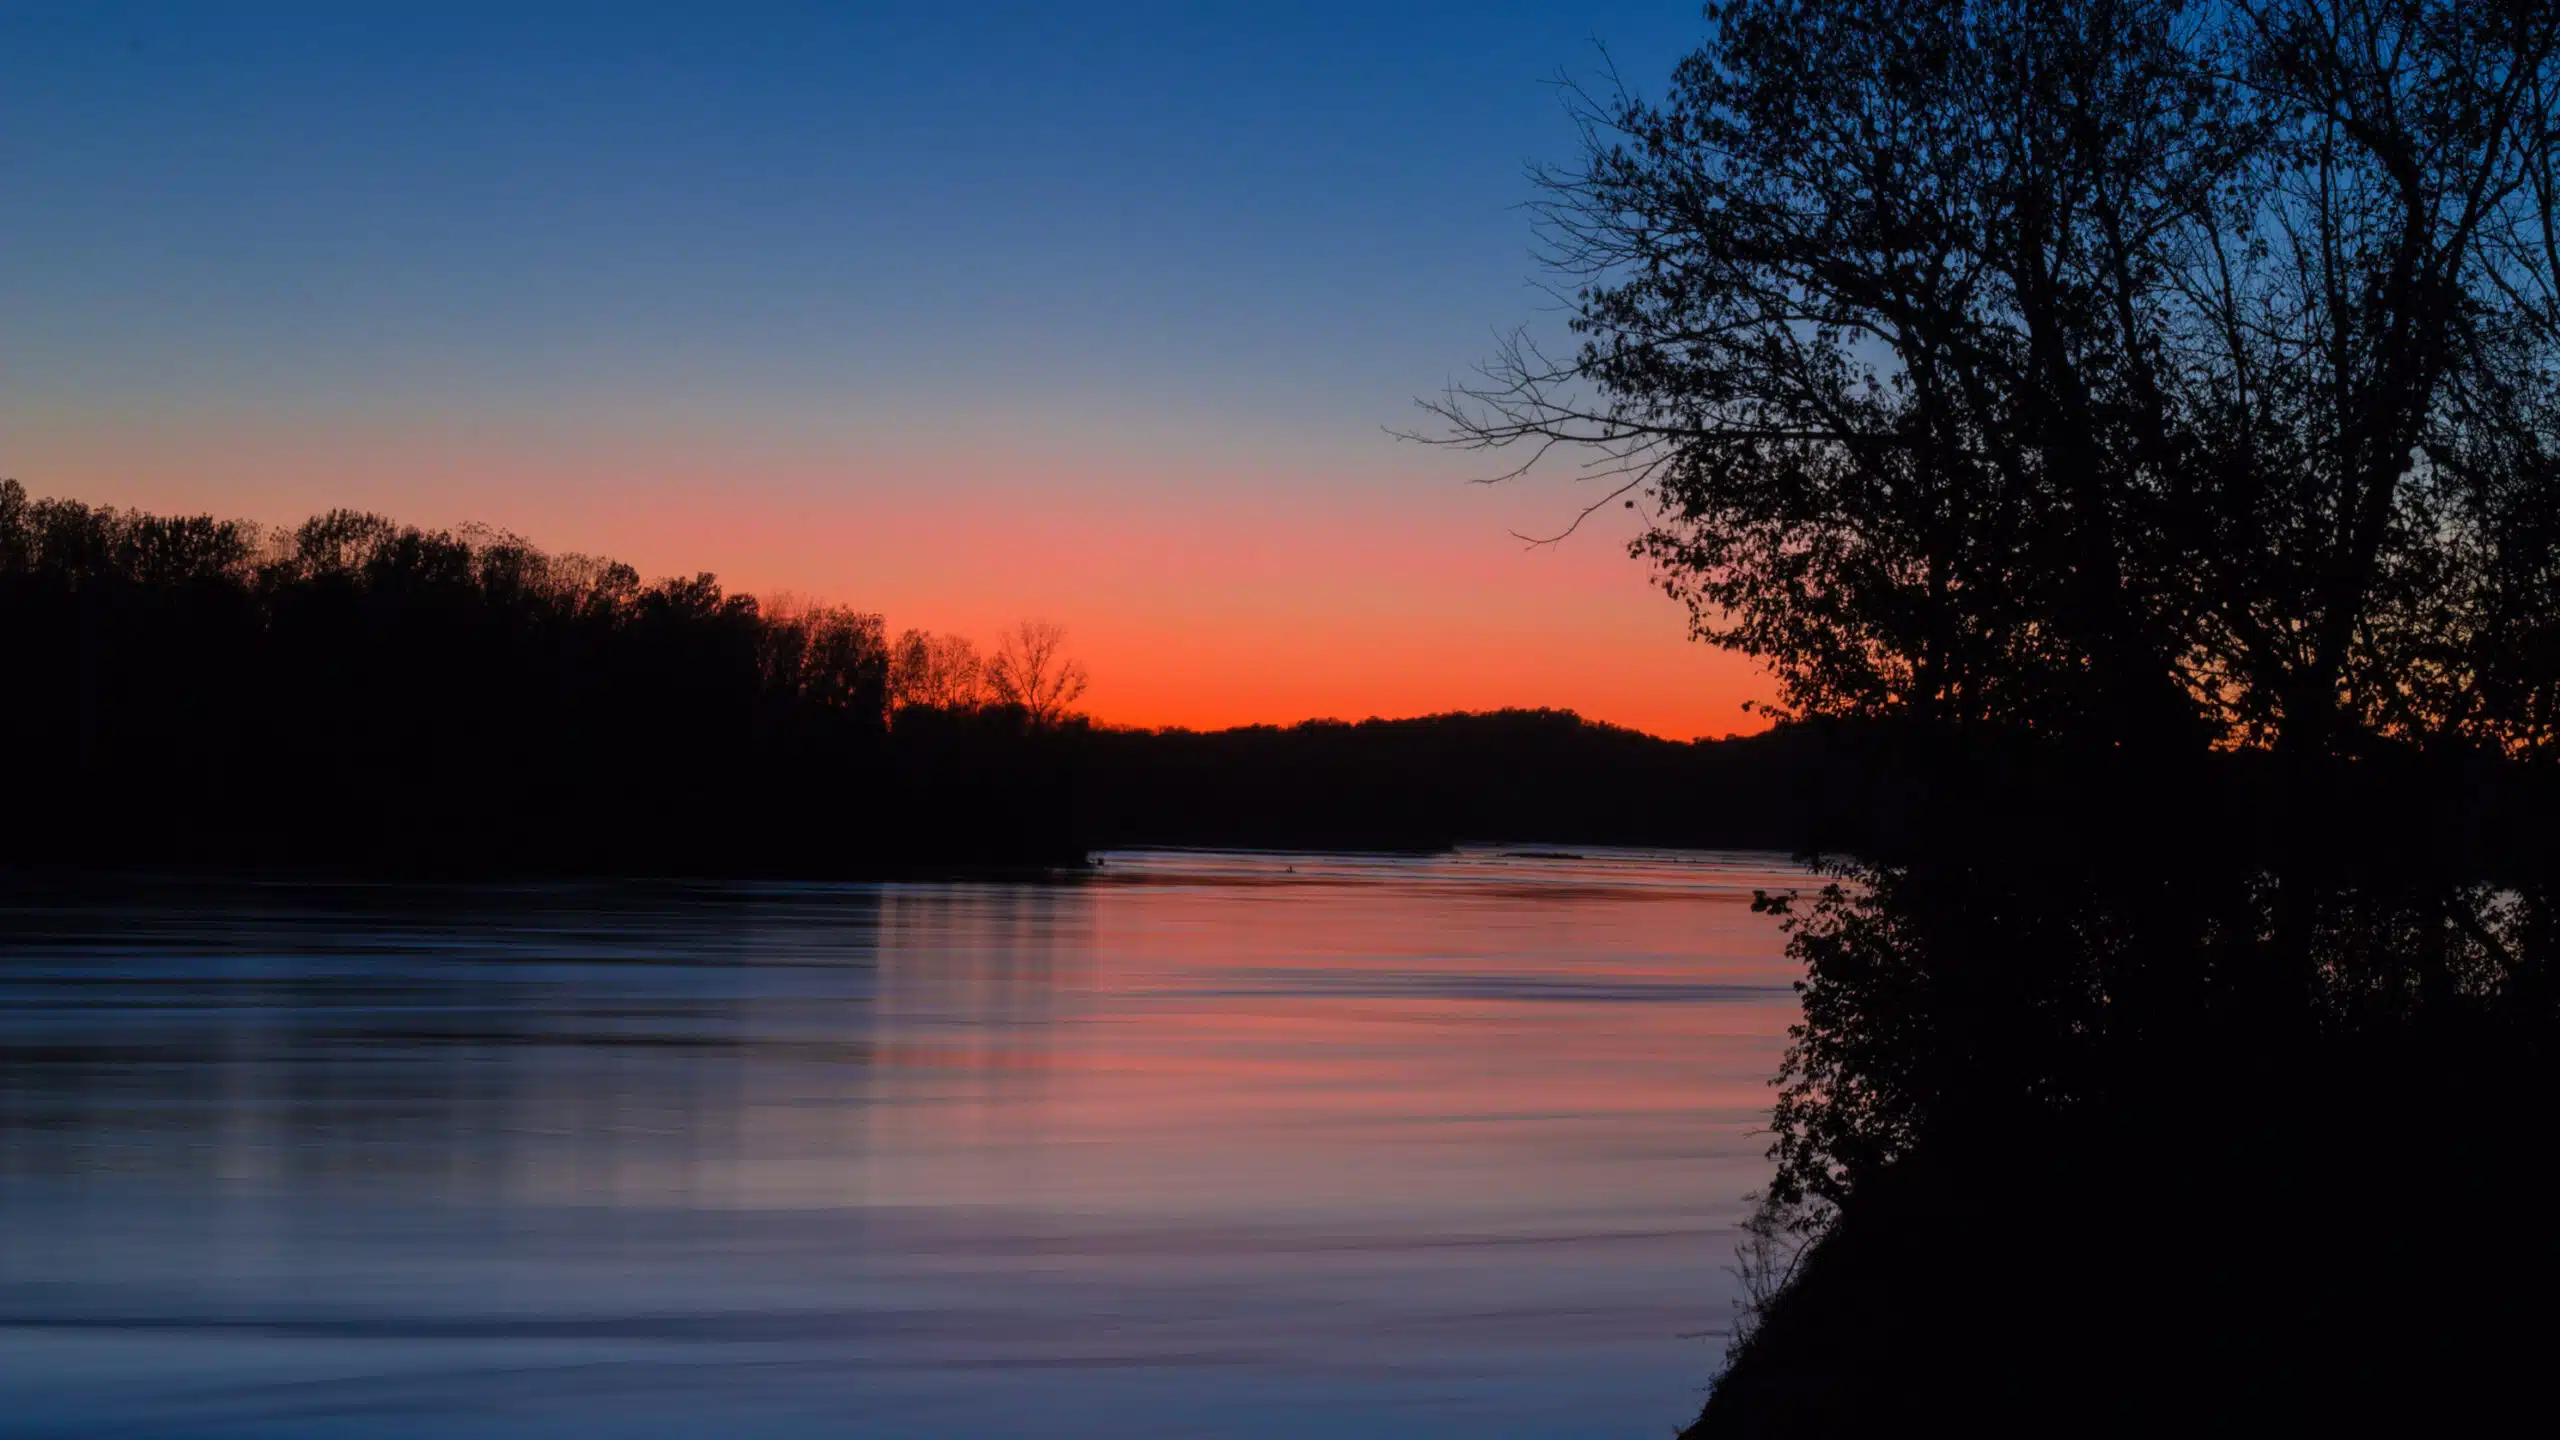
{"x":2150,"y":412}
{"x":355,"y":695}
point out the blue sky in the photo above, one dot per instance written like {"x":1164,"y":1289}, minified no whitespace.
{"x":1200,"y":248}
{"x":1301,"y":212}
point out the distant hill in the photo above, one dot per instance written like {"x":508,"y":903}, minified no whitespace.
{"x":1509,"y":775}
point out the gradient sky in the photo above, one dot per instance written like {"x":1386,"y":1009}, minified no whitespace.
{"x":957,"y":312}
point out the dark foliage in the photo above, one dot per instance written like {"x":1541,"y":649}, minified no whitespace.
{"x":2350,"y":1240}
{"x":2031,"y":961}
{"x":2117,"y":1106}
{"x":358,"y":694}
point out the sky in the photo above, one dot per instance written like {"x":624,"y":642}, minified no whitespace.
{"x":958,"y":312}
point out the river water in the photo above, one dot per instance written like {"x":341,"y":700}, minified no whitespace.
{"x":1198,"y":1144}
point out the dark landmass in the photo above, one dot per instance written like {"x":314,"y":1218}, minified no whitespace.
{"x":353,"y":694}
{"x":1881,"y":789}
{"x":2098,"y":1121}
{"x":1540,"y":777}
{"x":357,"y":695}
{"x":2350,"y":1240}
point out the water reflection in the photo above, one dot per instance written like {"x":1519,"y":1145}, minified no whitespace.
{"x":1205,"y":1144}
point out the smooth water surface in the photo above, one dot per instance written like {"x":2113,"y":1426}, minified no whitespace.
{"x":1200,"y":1144}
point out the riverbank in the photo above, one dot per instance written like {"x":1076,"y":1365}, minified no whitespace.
{"x":2352,"y":1244}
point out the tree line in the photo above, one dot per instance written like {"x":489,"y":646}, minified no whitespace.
{"x":352,"y":691}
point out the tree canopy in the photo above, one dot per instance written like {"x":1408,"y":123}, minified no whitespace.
{"x":353,"y":692}
{"x":2128,"y":368}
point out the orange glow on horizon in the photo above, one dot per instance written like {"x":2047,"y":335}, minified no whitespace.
{"x":1341,"y":587}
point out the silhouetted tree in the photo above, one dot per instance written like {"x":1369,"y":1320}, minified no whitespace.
{"x":938,"y":672}
{"x":15,"y":539}
{"x":833,"y":658}
{"x":2175,"y":385}
{"x":2130,"y":368}
{"x":1032,"y":670}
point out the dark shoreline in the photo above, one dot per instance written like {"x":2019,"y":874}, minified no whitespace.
{"x":2351,"y":1239}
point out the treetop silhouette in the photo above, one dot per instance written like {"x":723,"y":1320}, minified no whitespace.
{"x":355,"y":692}
{"x":2127,"y":368}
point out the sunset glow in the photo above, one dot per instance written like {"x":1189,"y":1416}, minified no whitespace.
{"x":1375,"y":581}
{"x":812,"y":310}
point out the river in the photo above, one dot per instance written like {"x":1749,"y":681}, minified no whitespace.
{"x":1195,"y":1144}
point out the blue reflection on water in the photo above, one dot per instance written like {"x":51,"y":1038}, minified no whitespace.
{"x":1198,"y":1145}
